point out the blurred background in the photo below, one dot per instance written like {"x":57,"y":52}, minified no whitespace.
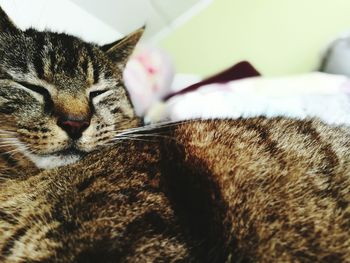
{"x":279,"y":37}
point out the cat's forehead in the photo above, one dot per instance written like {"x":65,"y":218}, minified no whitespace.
{"x":62,"y":60}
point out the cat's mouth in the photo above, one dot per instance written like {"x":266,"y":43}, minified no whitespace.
{"x":71,"y":151}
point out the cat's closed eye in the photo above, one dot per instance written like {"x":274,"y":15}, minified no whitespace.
{"x":41,"y":91}
{"x":94,"y":94}
{"x":38,"y":89}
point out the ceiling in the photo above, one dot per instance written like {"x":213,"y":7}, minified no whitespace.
{"x":126,"y":16}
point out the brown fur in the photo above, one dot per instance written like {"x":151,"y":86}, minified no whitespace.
{"x":48,"y":78}
{"x":253,"y":190}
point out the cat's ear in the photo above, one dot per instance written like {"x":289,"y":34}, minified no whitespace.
{"x":120,"y":50}
{"x":6,"y":24}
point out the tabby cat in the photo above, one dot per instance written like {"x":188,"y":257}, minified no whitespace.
{"x":246,"y":190}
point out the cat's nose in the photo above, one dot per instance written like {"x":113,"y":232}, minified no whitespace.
{"x":74,"y":128}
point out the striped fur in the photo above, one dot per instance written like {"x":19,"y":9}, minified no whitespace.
{"x":45,"y":77}
{"x":255,"y":190}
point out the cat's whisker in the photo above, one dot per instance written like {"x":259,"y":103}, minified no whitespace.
{"x":130,"y":133}
{"x":7,"y":132}
{"x":12,"y":152}
{"x":8,"y":140}
{"x":2,"y":141}
{"x":6,"y":145}
{"x":4,"y":177}
{"x":130,"y":139}
{"x":148,"y":127}
{"x":7,"y":136}
{"x":3,"y":138}
{"x":154,"y":136}
{"x":143,"y":135}
{"x":18,"y":146}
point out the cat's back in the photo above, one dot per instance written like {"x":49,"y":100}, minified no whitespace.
{"x":279,"y":188}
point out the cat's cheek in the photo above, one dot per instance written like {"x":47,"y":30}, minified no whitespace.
{"x":105,"y":116}
{"x":58,"y":139}
{"x":53,"y":141}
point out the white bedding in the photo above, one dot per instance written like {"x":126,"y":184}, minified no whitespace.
{"x":149,"y":76}
{"x":311,"y":95}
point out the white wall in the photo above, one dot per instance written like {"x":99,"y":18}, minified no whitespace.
{"x":62,"y":16}
{"x":104,"y":21}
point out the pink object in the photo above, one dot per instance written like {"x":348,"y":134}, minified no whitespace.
{"x":148,"y":77}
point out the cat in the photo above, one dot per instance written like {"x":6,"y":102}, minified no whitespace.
{"x":245,"y":190}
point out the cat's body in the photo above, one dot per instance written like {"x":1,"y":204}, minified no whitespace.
{"x":254,"y":190}
{"x":203,"y":191}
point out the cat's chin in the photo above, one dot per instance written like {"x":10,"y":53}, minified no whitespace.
{"x":56,"y":159}
{"x":53,"y":161}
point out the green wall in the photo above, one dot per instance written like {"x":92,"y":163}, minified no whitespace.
{"x":278,"y":36}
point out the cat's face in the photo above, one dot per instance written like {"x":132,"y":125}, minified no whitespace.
{"x":66,"y":96}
